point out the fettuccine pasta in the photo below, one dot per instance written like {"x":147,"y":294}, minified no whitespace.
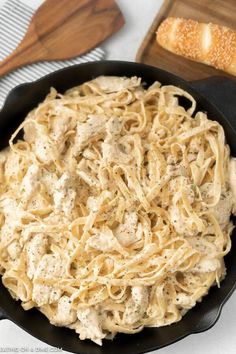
{"x":115,"y":207}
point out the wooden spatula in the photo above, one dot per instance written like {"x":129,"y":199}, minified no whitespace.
{"x":63,"y":29}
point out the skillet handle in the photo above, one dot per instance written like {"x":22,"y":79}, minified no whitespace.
{"x":221,"y":91}
{"x":2,"y":316}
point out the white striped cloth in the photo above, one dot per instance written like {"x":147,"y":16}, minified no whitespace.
{"x":14,"y":20}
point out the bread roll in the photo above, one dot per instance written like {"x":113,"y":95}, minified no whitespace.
{"x":203,"y":42}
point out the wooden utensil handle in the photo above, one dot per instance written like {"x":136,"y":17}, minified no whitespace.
{"x":15,"y":61}
{"x":28,"y":51}
{"x":65,"y":29}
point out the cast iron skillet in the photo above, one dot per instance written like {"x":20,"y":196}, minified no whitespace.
{"x":221,"y":93}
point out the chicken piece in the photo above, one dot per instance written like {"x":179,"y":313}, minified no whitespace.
{"x":177,"y":221}
{"x":174,"y":185}
{"x":112,"y":153}
{"x":207,"y":191}
{"x":113,"y":127}
{"x":126,"y":233}
{"x":112,"y":150}
{"x":10,"y":208}
{"x":90,"y":325}
{"x":137,"y":305}
{"x":206,"y":265}
{"x":30,"y":181}
{"x":43,"y":149}
{"x":61,"y":124}
{"x":38,"y":203}
{"x":111,"y":84}
{"x":30,"y":131}
{"x":183,"y":224}
{"x":92,"y":204}
{"x":91,"y":130}
{"x":64,"y":195}
{"x":184,"y":301}
{"x":4,"y":154}
{"x":223,"y":209}
{"x":65,"y":314}
{"x":202,"y":245}
{"x":12,"y":166}
{"x":6,"y":233}
{"x":48,"y":180}
{"x":176,"y":170}
{"x":13,"y":214}
{"x":35,"y":249}
{"x":104,"y":241}
{"x":189,"y":192}
{"x":50,"y":266}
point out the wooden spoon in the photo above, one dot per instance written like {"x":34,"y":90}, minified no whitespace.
{"x":63,"y":29}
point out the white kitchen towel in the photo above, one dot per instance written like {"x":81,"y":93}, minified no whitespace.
{"x":14,"y":20}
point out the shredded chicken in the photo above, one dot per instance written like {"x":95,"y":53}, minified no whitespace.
{"x":111,"y":84}
{"x":30,"y":181}
{"x":104,"y":241}
{"x":64,"y":195}
{"x":35,"y":249}
{"x":185,"y":301}
{"x":65,"y":314}
{"x":177,"y":220}
{"x":207,"y":264}
{"x":222,"y":210}
{"x":50,"y":266}
{"x":126,"y":233}
{"x":137,"y":305}
{"x":89,"y":131}
{"x":90,"y":325}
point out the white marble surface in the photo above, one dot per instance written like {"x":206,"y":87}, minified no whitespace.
{"x":221,"y":339}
